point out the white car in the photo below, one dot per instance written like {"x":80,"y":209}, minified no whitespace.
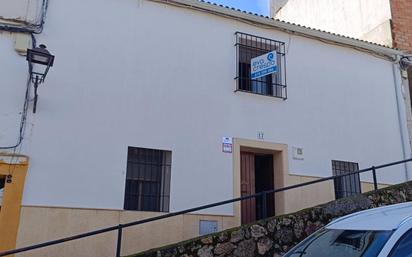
{"x":379,"y":232}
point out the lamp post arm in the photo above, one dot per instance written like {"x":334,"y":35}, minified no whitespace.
{"x":36,"y":85}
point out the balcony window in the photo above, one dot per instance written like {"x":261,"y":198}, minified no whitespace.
{"x":249,"y":47}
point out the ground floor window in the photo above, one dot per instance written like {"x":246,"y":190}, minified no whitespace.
{"x":347,"y":185}
{"x":148,"y":180}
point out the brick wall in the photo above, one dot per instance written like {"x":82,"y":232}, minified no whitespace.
{"x":402,"y":24}
{"x":402,"y":29}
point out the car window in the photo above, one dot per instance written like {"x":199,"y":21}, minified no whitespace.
{"x":404,"y":246}
{"x":342,"y":243}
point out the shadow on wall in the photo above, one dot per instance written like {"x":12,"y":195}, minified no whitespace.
{"x":274,"y":236}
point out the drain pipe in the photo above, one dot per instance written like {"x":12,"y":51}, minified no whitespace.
{"x":400,"y":104}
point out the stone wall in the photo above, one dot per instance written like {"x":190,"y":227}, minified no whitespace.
{"x":274,"y":236}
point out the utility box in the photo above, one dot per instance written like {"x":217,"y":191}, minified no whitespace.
{"x":22,"y":41}
{"x":207,"y":227}
{"x":298,"y":153}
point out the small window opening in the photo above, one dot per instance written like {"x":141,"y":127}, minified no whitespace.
{"x":347,"y":185}
{"x":148,"y":180}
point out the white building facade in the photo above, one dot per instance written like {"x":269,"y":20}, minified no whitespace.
{"x":141,"y":95}
{"x":368,"y":20}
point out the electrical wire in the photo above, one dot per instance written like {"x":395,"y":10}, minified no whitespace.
{"x":23,"y":123}
{"x":29,"y":28}
{"x":32,"y":29}
{"x":22,"y":119}
{"x":22,"y":130}
{"x":24,"y":111}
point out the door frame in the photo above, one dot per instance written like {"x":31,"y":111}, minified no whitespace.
{"x":280,"y":169}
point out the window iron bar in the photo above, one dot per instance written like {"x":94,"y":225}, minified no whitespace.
{"x":249,"y":47}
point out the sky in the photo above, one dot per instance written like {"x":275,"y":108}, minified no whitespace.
{"x":255,"y":6}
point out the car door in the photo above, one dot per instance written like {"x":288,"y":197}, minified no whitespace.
{"x":403,"y":248}
{"x":400,"y":243}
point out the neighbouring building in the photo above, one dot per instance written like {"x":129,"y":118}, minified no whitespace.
{"x":150,"y":107}
{"x":401,"y":24}
{"x":381,"y":21}
{"x":386,"y":22}
{"x":368,"y":20}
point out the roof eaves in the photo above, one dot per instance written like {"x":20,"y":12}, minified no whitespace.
{"x":286,"y":26}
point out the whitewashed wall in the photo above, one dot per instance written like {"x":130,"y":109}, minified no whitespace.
{"x":365,"y":19}
{"x":136,"y":73}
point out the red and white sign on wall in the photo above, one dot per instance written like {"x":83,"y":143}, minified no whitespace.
{"x":227,"y":145}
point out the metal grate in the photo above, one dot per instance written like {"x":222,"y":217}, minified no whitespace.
{"x":347,"y":185}
{"x":248,"y":47}
{"x":148,"y":180}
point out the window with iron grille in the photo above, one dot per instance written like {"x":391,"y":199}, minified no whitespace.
{"x":347,"y":185}
{"x":249,"y":47}
{"x":148,"y":180}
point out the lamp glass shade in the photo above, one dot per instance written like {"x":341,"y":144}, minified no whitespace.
{"x":40,"y":59}
{"x":40,"y":56}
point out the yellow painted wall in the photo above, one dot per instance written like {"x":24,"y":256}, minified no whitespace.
{"x":40,"y":224}
{"x":14,"y":166}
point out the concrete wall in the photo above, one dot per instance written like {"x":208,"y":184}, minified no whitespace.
{"x":364,"y":19}
{"x":276,"y":5}
{"x":152,"y":85}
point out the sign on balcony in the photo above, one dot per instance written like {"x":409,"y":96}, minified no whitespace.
{"x":263,"y":65}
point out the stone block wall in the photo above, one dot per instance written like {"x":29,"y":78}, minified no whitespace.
{"x":274,"y":236}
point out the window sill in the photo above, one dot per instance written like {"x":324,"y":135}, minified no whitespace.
{"x":263,"y":95}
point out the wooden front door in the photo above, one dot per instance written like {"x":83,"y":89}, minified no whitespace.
{"x":247,"y":186}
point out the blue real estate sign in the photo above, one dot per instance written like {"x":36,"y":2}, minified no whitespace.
{"x":263,"y":65}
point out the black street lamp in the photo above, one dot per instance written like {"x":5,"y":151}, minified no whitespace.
{"x":40,"y":60}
